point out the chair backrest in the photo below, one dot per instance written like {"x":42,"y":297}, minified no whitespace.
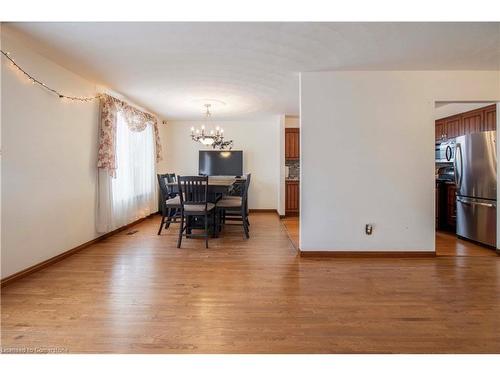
{"x":164,"y":190}
{"x":171,"y":177}
{"x":193,"y":190}
{"x":246,"y":187}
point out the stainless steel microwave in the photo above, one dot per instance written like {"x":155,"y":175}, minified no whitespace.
{"x":445,"y":151}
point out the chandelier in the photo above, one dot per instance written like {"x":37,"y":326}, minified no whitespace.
{"x":213,"y":138}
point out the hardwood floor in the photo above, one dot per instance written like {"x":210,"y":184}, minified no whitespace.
{"x":291,"y":225}
{"x":138,"y":293}
{"x":448,"y":244}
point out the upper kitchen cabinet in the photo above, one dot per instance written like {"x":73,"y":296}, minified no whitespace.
{"x":472,"y":122}
{"x":490,"y":118}
{"x":477,"y":120}
{"x":292,"y":143}
{"x":452,"y":126}
{"x":448,"y":127}
{"x":440,"y":129}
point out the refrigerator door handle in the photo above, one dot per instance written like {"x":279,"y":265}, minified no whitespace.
{"x":458,"y":176}
{"x":470,"y":203}
{"x":455,"y":165}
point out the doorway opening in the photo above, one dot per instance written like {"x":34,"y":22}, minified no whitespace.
{"x":291,"y":168}
{"x":466,"y":178}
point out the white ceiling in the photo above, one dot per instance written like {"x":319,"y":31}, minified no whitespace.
{"x":171,"y":68}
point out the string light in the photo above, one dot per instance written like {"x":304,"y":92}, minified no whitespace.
{"x":33,"y":80}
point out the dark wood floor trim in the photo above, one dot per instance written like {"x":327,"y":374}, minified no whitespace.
{"x":37,"y":267}
{"x":368,"y":254}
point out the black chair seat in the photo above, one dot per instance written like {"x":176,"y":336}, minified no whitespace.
{"x":198,"y":208}
{"x":174,"y":202}
{"x":235,"y":202}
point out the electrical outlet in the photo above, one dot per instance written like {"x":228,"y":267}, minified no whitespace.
{"x":368,"y":229}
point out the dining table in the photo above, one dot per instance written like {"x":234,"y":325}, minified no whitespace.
{"x":217,"y":187}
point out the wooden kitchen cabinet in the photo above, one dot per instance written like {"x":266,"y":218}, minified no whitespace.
{"x":292,"y":143}
{"x":446,"y":206}
{"x":292,"y":197}
{"x":437,"y":205}
{"x":451,"y":217}
{"x":472,"y":122}
{"x":490,"y":118}
{"x":477,"y":120}
{"x":440,"y":129}
{"x":448,"y":127}
{"x":453,"y":127}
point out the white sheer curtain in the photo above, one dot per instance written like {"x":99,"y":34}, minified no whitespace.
{"x":131,"y":194}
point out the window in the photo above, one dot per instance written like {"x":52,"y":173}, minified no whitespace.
{"x":134,"y":188}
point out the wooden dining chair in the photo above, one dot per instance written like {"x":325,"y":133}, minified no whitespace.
{"x":171,"y":177}
{"x":244,"y":197}
{"x":234,"y":208}
{"x":170,"y":203}
{"x":193,"y":193}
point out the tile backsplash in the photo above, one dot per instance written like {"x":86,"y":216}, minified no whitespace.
{"x":293,"y":169}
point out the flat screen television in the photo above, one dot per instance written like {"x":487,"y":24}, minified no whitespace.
{"x":220,"y":163}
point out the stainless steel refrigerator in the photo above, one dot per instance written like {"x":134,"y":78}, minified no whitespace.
{"x":476,"y":180}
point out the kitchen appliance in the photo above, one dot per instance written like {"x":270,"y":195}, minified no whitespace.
{"x":476,"y":181}
{"x":445,"y":173}
{"x":445,"y":151}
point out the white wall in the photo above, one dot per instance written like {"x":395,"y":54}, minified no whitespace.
{"x":49,"y":150}
{"x":367,"y":155}
{"x":259,"y":140}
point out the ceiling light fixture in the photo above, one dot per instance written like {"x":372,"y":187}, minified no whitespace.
{"x":212,"y":138}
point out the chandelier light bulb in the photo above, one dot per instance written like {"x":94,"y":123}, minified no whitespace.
{"x":207,"y":141}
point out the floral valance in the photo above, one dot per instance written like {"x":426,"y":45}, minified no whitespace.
{"x":137,"y":121}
